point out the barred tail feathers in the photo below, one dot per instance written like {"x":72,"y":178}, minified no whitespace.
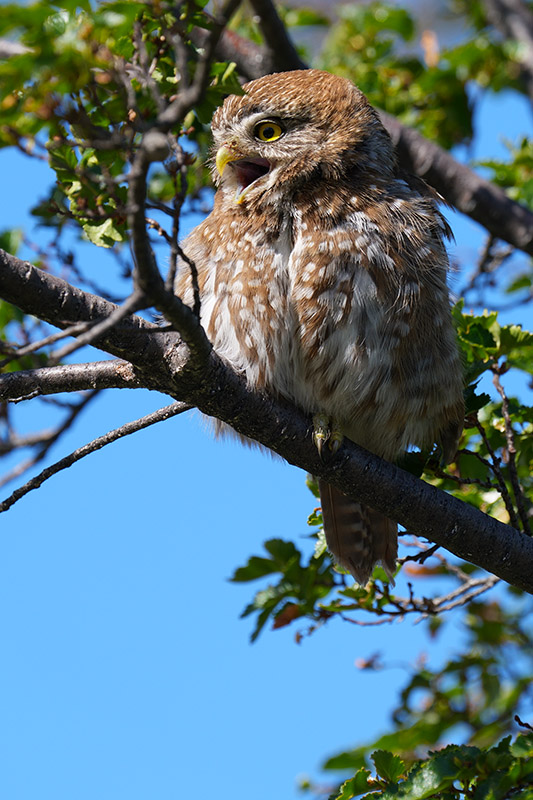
{"x":357,"y":536}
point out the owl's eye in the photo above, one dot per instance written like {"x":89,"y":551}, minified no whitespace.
{"x":268,"y":131}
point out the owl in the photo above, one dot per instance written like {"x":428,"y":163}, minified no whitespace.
{"x":322,"y":277}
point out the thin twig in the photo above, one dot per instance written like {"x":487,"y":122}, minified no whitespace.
{"x":124,"y":430}
{"x":24,"y":466}
{"x":146,"y":68}
{"x":178,"y":168}
{"x":495,"y":466}
{"x":511,"y":450}
{"x":177,"y":110}
{"x":156,"y":226}
{"x":133,"y":303}
{"x":425,"y":606}
{"x":72,"y":330}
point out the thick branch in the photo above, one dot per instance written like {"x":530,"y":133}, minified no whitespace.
{"x":27,"y":384}
{"x":216,"y":390}
{"x":55,"y":301}
{"x":462,"y":187}
{"x":283,"y":53}
{"x":514,"y":20}
{"x":252,"y":61}
{"x":420,"y":507}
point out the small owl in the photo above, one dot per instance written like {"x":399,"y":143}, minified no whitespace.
{"x":322,"y":277}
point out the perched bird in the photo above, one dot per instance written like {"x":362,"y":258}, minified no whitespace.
{"x":322,"y":277}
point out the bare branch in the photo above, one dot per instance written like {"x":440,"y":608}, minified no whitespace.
{"x":27,"y":384}
{"x":56,"y":301}
{"x":92,"y":447}
{"x":398,"y":607}
{"x":75,"y":410}
{"x":27,"y":349}
{"x":148,"y":279}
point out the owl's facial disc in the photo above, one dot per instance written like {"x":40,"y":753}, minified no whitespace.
{"x":247,"y":170}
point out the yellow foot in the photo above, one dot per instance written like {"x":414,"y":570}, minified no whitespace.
{"x":322,"y":433}
{"x":335,"y":438}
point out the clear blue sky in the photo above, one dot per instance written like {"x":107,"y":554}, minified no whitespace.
{"x":126,"y":671}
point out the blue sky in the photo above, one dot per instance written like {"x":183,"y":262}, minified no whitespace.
{"x":126,"y":671}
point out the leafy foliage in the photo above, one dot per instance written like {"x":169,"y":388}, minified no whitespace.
{"x":368,"y":45}
{"x":80,"y":94}
{"x":453,"y":773}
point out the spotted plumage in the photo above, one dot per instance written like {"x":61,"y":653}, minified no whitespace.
{"x":322,"y":276}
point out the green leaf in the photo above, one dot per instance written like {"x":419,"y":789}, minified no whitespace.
{"x":104,"y":234}
{"x":429,"y":778}
{"x":474,"y":401}
{"x":256,"y":567}
{"x":388,"y":766}
{"x":355,"y":786}
{"x":523,"y":746}
{"x":11,"y":239}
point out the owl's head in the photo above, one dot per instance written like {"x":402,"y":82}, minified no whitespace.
{"x":294,"y":127}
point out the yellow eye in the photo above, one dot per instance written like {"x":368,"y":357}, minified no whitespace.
{"x":268,"y":131}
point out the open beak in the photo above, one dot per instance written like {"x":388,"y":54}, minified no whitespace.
{"x":247,"y":170}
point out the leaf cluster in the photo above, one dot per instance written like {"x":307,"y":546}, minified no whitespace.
{"x":89,"y":85}
{"x":456,"y":772}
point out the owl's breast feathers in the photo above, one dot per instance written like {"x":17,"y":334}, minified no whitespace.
{"x":340,"y":305}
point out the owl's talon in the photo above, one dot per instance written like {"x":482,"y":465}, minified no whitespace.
{"x":320,"y":431}
{"x":335,"y":439}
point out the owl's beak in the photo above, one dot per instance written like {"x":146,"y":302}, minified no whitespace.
{"x":224,"y":155}
{"x":247,"y":170}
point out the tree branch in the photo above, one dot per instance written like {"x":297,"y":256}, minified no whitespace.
{"x":218,"y":391}
{"x":124,"y":430}
{"x":514,"y":20}
{"x":75,"y":410}
{"x":147,"y":277}
{"x":283,"y":54}
{"x":133,"y":303}
{"x":57,"y":302}
{"x":462,"y":187}
{"x":27,"y":384}
{"x":186,"y":99}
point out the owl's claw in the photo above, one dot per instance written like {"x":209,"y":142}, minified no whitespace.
{"x":322,"y":433}
{"x":335,"y":438}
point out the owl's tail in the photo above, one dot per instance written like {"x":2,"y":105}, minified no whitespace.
{"x":357,"y":536}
